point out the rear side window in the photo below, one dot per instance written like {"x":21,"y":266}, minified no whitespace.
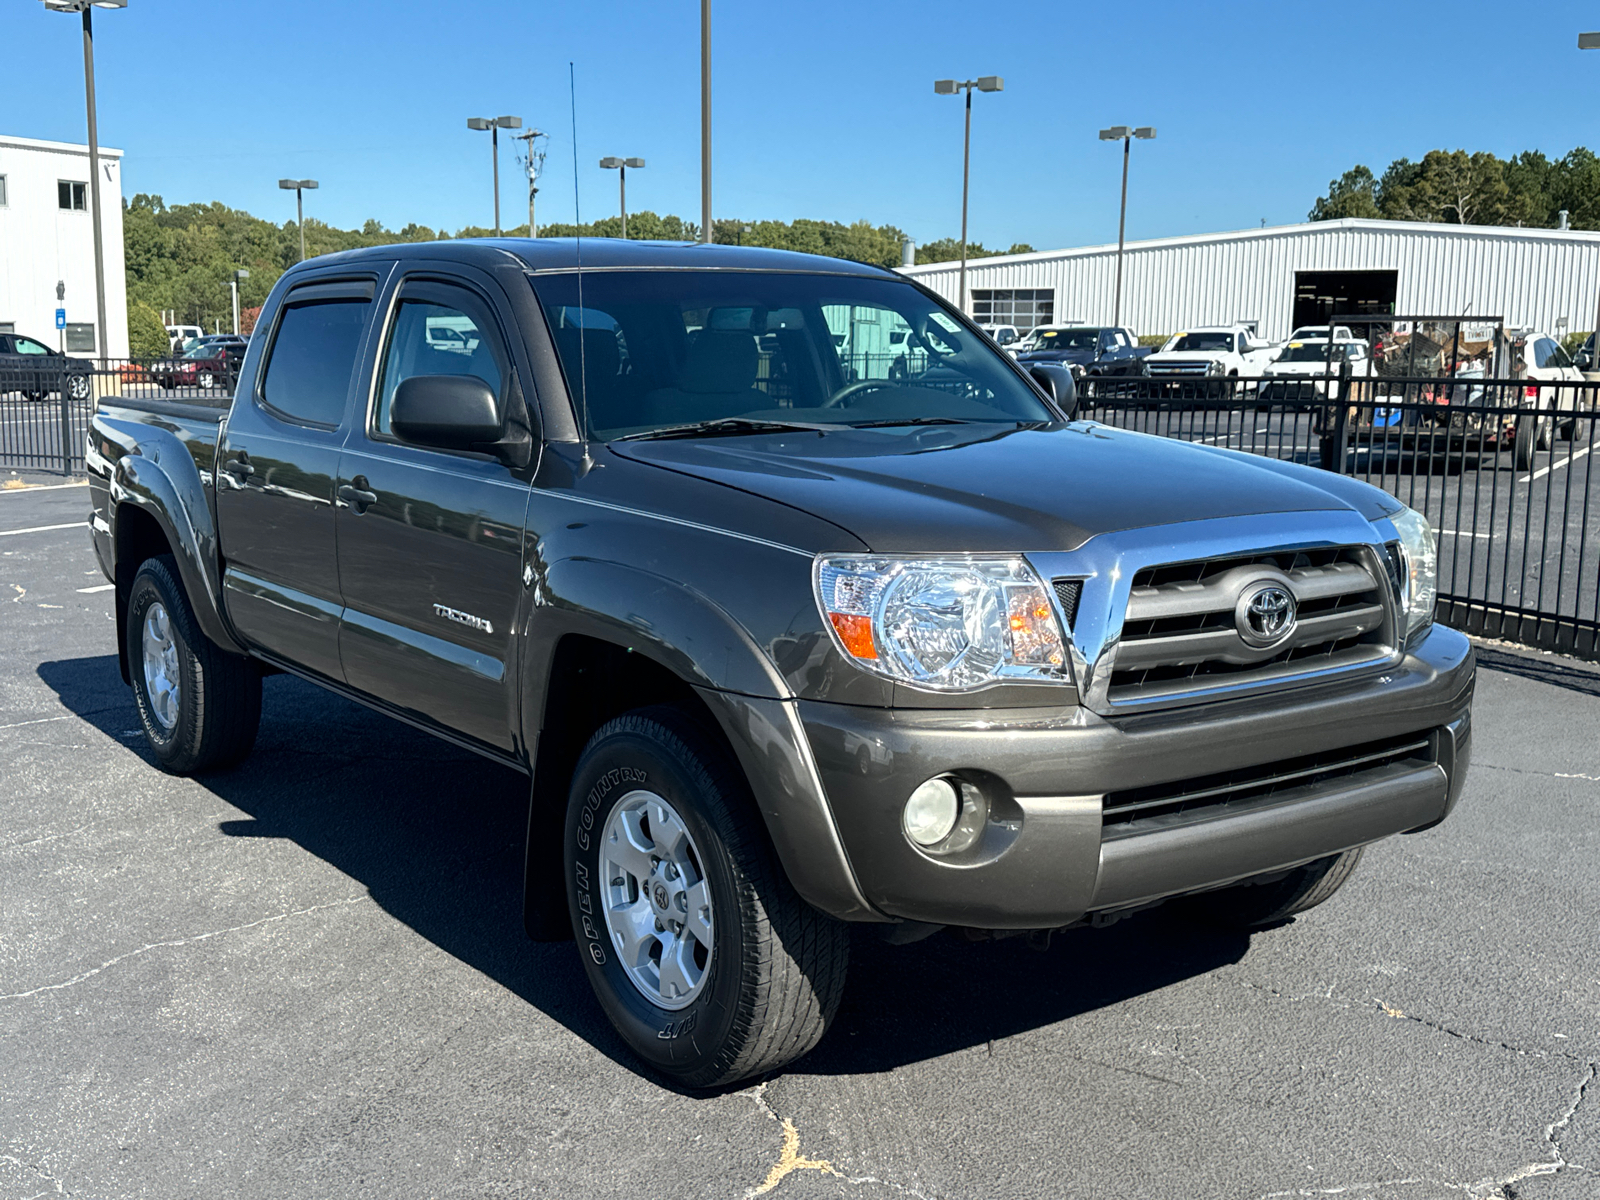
{"x":313,"y":357}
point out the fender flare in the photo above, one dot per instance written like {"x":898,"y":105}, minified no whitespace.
{"x":180,"y":508}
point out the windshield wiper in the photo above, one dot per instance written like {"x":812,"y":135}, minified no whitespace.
{"x":889,"y":421}
{"x":727,"y":427}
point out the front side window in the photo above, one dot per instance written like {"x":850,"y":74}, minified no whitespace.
{"x":313,"y":357}
{"x":652,"y":350}
{"x":72,"y":196}
{"x":441,"y":331}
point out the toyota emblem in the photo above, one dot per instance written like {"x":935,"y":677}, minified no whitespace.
{"x":1265,"y":615}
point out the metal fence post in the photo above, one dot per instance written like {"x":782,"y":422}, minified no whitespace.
{"x":66,"y":424}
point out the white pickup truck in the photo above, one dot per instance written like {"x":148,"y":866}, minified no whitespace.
{"x":1214,"y":350}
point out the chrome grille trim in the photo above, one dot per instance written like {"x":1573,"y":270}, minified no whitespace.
{"x":1108,"y":563}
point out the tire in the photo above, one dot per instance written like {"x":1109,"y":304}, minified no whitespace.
{"x":1532,"y":434}
{"x":767,"y":976}
{"x":1250,"y":905}
{"x":199,"y":706}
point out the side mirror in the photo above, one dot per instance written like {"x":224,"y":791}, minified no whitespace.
{"x":447,"y":412}
{"x":1058,"y":384}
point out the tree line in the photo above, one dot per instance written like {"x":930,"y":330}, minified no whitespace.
{"x":1458,"y":188}
{"x":181,"y":258}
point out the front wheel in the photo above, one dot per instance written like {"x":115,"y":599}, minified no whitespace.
{"x":199,"y":705}
{"x":701,"y":954}
{"x":1248,"y":905}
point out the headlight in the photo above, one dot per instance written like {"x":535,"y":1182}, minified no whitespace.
{"x":945,"y":624}
{"x":1419,"y":574}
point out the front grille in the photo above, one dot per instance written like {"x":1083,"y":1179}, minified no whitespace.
{"x":1289,"y":391}
{"x":1160,"y":806}
{"x":1181,"y":634}
{"x":1181,"y":368}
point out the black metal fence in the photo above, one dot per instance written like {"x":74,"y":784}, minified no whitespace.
{"x":46,"y":406}
{"x":1504,"y":470}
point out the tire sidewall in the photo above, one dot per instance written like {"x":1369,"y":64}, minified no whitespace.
{"x":148,"y":588}
{"x":677,"y":1040}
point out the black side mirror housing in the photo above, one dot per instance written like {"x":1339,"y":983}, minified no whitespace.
{"x":446,"y":412}
{"x":1058,"y":384}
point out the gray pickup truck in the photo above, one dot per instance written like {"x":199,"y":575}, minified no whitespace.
{"x":781,"y":649}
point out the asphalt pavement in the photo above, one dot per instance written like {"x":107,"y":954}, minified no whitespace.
{"x":307,"y":977}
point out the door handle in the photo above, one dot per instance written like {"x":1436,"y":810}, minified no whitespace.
{"x":239,"y":468}
{"x":356,"y":495}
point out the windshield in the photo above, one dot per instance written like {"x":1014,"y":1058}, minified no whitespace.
{"x":653,"y":350}
{"x":1202,"y":342}
{"x":1065,"y":339}
{"x":1308,"y":352}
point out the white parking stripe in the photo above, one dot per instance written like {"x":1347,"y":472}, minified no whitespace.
{"x":44,"y":528}
{"x":106,"y":587}
{"x":1438,"y":533}
{"x":1543,"y":471}
{"x":41,"y":487}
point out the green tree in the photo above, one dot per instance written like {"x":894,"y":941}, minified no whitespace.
{"x":949,"y":250}
{"x":147,"y":336}
{"x":1353,"y":194}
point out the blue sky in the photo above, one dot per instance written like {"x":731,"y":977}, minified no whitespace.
{"x":822,"y":108}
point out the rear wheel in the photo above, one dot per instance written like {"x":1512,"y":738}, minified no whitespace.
{"x":1305,"y":887}
{"x":1533,"y":433}
{"x":199,"y":705}
{"x":700,"y":952}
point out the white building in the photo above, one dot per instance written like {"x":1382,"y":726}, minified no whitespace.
{"x":1292,"y":275}
{"x":46,"y":238}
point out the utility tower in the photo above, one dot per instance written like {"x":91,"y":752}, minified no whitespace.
{"x":535,"y":144}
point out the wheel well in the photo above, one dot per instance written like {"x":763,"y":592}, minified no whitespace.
{"x":139,"y":537}
{"x":590,"y":682}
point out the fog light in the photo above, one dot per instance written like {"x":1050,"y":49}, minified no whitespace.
{"x":932,"y":811}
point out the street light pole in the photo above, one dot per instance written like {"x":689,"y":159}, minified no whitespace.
{"x":1126,"y":136}
{"x":620,"y":166}
{"x":705,"y":121}
{"x":949,"y":87}
{"x":233,"y":285}
{"x":296,"y":186}
{"x":84,"y":7}
{"x":1591,"y":41}
{"x":494,"y":125}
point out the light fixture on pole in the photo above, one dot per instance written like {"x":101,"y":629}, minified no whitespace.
{"x":494,"y":125}
{"x":705,"y":121}
{"x":233,"y":286}
{"x":620,"y":166}
{"x":298,"y":186}
{"x":951,"y":87}
{"x":1125,"y":135}
{"x":84,"y":7}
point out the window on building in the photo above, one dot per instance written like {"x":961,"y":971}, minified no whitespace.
{"x":1022,"y":307}
{"x":72,"y":196}
{"x":80,"y":337}
{"x":2,"y":191}
{"x":8,"y":326}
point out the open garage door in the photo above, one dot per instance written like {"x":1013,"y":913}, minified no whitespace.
{"x":1320,"y":294}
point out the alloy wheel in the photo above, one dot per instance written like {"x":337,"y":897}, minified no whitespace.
{"x":160,"y":648}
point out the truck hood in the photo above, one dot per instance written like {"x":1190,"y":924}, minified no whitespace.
{"x":978,"y":489}
{"x":1070,"y":356}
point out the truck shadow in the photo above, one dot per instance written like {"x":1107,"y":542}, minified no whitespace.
{"x":435,"y":834}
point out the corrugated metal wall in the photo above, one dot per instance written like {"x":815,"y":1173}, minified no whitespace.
{"x":1529,"y":276}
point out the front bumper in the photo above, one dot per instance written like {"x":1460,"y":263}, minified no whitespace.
{"x":1046,"y":857}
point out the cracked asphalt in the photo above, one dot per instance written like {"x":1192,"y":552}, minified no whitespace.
{"x":307,"y":977}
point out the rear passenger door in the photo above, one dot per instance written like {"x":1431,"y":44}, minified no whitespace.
{"x":430,"y":540}
{"x":277,"y":470}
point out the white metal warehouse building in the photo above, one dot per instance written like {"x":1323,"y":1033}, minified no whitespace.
{"x":1290,"y":275}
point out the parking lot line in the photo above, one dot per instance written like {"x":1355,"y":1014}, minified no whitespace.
{"x":43,"y":528}
{"x":1567,"y":461}
{"x":1438,"y":533}
{"x":106,"y":587}
{"x":14,"y":486}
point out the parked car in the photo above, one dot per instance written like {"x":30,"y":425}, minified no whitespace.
{"x":1005,"y":336}
{"x":181,"y":336}
{"x":1308,"y":371}
{"x":780,"y":649}
{"x":1217,"y":351}
{"x":28,"y":366}
{"x":1088,"y":349}
{"x":1584,"y":359}
{"x":205,"y":365}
